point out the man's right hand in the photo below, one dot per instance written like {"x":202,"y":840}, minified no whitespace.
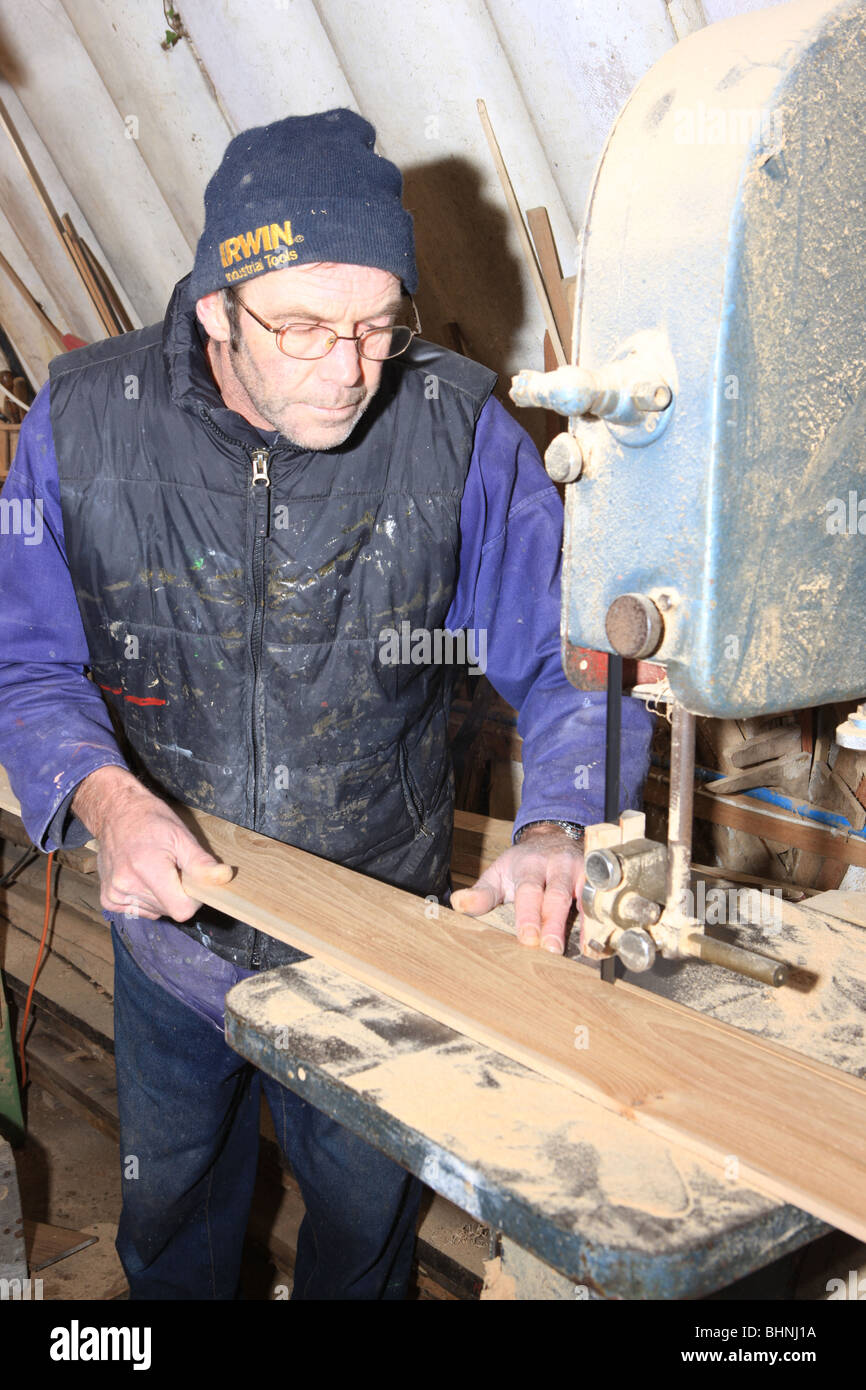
{"x":142,"y":848}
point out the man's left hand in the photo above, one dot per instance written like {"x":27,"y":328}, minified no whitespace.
{"x":542,"y":876}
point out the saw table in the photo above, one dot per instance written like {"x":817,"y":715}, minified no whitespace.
{"x":590,"y":1206}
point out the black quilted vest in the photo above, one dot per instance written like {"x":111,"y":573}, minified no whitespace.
{"x":235,"y":627}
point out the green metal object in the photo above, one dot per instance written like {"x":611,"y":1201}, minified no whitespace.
{"x":11,"y":1117}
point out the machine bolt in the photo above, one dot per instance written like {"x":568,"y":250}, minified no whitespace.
{"x":634,"y":907}
{"x":634,"y":625}
{"x":603,"y":870}
{"x":852,"y":734}
{"x":636,"y":949}
{"x":648,"y":395}
{"x":563,"y":459}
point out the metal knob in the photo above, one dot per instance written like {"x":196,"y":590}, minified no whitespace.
{"x":603,"y":869}
{"x":852,"y":734}
{"x":563,"y":459}
{"x":634,"y":625}
{"x":636,"y":949}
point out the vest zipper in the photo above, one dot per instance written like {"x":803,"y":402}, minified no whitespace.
{"x":261,"y":486}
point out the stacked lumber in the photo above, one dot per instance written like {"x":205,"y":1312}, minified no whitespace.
{"x":92,"y":275}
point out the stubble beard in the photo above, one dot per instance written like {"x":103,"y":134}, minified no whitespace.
{"x":272,"y":406}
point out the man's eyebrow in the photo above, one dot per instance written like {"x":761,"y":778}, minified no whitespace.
{"x":291,"y":315}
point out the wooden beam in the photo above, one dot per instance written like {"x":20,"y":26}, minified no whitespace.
{"x":551,"y":270}
{"x":522,"y":235}
{"x":766,"y":821}
{"x":50,"y":328}
{"x":30,"y":169}
{"x":792,"y":1127}
{"x":73,"y":246}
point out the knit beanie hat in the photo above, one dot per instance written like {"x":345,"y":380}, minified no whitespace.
{"x":307,"y":188}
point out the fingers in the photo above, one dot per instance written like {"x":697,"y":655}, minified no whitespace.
{"x":542,"y":878}
{"x":528,"y":904}
{"x":140,"y":865}
{"x":129,"y":909}
{"x":544,"y":892}
{"x":153,"y":891}
{"x":129,"y":900}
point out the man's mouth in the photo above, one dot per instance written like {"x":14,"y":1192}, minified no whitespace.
{"x":336,"y":411}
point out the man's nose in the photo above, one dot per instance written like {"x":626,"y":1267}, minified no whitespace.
{"x":342,"y":364}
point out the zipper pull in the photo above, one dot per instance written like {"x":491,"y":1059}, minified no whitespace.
{"x":260,"y":459}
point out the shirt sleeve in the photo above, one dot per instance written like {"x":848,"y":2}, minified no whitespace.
{"x":508,"y":596}
{"x":55,"y":728}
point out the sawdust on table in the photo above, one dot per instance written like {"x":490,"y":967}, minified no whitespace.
{"x":818,"y":1013}
{"x":498,"y":1284}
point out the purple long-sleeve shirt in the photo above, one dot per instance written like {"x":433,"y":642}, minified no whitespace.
{"x":55,"y":728}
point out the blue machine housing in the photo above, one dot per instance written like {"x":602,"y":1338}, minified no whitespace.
{"x":727,"y":225}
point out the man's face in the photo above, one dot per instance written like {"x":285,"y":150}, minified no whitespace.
{"x":314,"y":404}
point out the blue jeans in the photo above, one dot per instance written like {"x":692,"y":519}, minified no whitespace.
{"x":189,"y":1135}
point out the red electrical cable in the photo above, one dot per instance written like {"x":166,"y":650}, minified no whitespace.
{"x":48,"y":868}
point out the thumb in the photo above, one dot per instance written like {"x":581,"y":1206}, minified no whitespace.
{"x":475,"y":901}
{"x":202,"y":867}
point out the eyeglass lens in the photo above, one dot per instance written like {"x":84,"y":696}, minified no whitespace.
{"x":377,"y":344}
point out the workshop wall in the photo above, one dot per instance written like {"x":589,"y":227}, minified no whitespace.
{"x":125,"y":124}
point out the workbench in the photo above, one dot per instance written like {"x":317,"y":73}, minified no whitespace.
{"x":589,"y":1204}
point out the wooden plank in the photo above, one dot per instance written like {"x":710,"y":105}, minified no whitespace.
{"x":773,"y":744}
{"x":72,"y":937}
{"x":83,"y":1082}
{"x":70,"y":241}
{"x":478,"y":840}
{"x":30,"y":169}
{"x":797,"y":1128}
{"x":522,"y":235}
{"x":50,"y":328}
{"x":551,"y":270}
{"x":790,"y":772}
{"x":106,"y":286}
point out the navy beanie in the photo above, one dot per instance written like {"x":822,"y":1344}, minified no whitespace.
{"x":307,"y":188}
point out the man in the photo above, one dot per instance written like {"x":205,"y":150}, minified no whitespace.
{"x":239,"y":505}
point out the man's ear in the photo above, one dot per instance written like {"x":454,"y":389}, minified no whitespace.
{"x":211,"y":313}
